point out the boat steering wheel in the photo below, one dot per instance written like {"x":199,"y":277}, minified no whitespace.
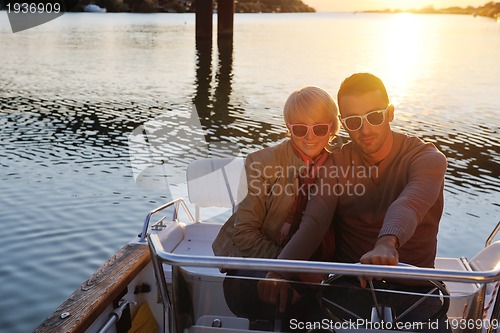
{"x":381,"y":313}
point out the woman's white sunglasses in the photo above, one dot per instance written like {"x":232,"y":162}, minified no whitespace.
{"x":301,"y":130}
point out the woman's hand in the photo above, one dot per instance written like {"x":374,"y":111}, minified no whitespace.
{"x":275,"y":288}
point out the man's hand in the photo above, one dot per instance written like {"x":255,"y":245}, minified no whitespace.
{"x":276,"y":288}
{"x":384,"y":253}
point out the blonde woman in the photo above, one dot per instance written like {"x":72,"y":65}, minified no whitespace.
{"x":279,"y":179}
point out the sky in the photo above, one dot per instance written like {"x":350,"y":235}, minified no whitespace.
{"x":353,"y":5}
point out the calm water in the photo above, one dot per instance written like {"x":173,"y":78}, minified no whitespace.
{"x":78,"y":93}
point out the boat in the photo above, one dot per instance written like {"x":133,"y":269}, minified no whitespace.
{"x":168,"y":279}
{"x":93,"y":8}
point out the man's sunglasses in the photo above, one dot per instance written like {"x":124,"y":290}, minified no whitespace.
{"x":374,"y":118}
{"x":301,"y":130}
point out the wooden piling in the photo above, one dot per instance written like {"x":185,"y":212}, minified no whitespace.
{"x":204,"y":25}
{"x":225,"y":18}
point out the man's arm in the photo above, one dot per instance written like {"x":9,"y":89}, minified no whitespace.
{"x":316,"y":220}
{"x":425,"y":185}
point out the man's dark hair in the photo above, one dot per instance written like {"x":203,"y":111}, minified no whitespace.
{"x":359,"y":84}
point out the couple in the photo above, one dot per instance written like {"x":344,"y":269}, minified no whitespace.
{"x":382,"y":207}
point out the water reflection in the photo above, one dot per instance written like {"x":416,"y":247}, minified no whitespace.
{"x":203,"y":79}
{"x":220,"y":113}
{"x":472,"y":151}
{"x":224,"y":80}
{"x":214,"y":105}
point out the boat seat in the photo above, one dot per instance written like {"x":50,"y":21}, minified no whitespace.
{"x":456,"y":264}
{"x":216,"y":182}
{"x":485,"y":260}
{"x":464,"y":297}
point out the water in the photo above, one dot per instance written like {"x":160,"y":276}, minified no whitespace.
{"x":75,"y":92}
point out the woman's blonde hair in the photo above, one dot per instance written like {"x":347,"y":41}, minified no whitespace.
{"x":311,"y":101}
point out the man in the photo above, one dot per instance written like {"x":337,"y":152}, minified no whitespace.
{"x":388,"y":201}
{"x":399,"y":212}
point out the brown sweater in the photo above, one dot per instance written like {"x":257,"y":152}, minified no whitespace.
{"x":401,"y":196}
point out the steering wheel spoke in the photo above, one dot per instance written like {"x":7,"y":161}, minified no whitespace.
{"x":342,"y":299}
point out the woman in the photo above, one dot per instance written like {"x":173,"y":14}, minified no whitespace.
{"x":278,"y":180}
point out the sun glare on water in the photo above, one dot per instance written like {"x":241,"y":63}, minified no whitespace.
{"x":405,"y":45}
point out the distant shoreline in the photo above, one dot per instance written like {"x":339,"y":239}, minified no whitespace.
{"x":490,"y":9}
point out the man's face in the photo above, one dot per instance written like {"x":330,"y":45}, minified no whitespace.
{"x":373,"y":141}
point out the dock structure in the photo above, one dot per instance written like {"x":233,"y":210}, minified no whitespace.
{"x":225,"y":19}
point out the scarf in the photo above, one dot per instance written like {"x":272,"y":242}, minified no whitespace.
{"x":307,"y":177}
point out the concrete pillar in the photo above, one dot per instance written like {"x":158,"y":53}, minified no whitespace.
{"x":204,"y":23}
{"x":225,"y":18}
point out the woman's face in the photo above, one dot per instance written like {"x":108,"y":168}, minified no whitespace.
{"x":311,"y":143}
